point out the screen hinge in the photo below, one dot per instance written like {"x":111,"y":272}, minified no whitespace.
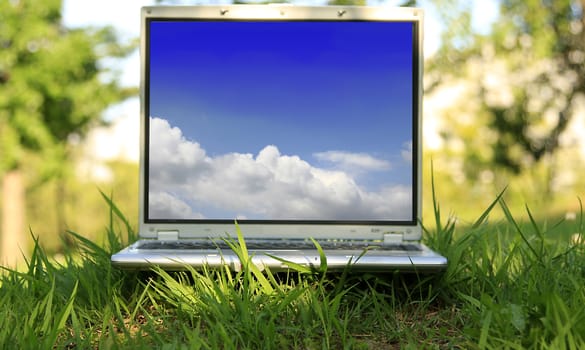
{"x":167,"y":235}
{"x":390,"y":238}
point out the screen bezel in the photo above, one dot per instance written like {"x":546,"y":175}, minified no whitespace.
{"x":284,"y":227}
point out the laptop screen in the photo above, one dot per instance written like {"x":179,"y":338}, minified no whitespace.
{"x":281,"y":121}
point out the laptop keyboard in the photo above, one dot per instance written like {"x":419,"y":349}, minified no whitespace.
{"x":277,"y":245}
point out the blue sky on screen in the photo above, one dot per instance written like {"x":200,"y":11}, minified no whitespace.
{"x":273,"y":120}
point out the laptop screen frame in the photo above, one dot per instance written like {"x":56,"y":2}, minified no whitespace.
{"x":286,"y":228}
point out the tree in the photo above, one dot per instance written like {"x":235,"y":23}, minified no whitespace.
{"x":52,"y":88}
{"x":523,"y":81}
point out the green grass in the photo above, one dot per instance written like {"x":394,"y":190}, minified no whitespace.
{"x":509,"y":284}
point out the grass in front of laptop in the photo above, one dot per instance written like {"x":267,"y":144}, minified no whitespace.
{"x":509,"y":284}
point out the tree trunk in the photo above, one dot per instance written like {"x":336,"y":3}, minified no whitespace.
{"x":13,"y":238}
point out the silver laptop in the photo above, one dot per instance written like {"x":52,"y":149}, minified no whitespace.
{"x":295,"y":128}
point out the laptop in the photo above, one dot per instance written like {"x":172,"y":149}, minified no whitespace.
{"x":295,"y":128}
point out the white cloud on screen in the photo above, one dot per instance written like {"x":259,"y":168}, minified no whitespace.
{"x":165,"y":205}
{"x":268,"y":185}
{"x":348,"y":160}
{"x":407,"y":152}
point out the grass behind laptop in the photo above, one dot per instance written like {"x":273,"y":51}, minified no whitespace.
{"x":509,"y":284}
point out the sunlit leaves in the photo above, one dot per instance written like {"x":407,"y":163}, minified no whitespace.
{"x":52,"y":85}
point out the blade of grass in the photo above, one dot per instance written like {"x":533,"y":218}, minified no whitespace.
{"x":489,"y":209}
{"x":247,"y":262}
{"x":537,"y":230}
{"x":485,"y":329}
{"x":293,"y":265}
{"x":518,"y":229}
{"x":66,"y":312}
{"x":322,"y":256}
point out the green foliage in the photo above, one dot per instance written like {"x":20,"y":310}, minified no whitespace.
{"x":548,"y":34}
{"x":523,"y":81}
{"x":517,"y":282}
{"x":509,"y":284}
{"x":52,"y":85}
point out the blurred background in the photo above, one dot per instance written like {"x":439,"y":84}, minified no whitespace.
{"x":504,"y":108}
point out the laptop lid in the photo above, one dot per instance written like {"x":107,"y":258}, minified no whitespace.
{"x":296,"y":121}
